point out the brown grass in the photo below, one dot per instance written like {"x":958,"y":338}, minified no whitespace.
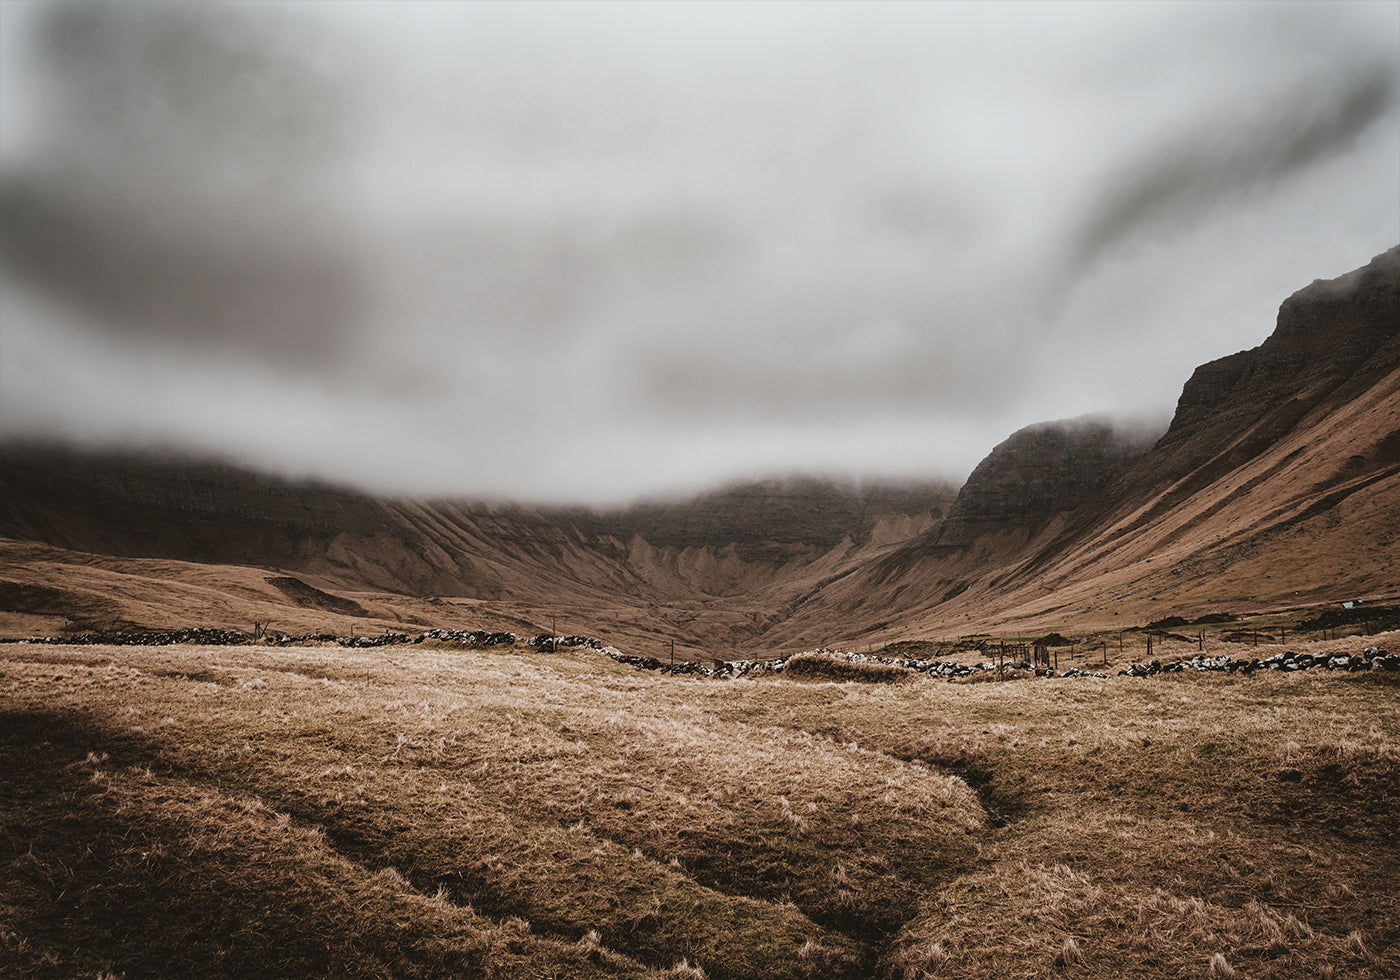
{"x":412,"y":812}
{"x":827,"y":666}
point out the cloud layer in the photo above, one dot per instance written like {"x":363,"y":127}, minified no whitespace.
{"x":590,"y":252}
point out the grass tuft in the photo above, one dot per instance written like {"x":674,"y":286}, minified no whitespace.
{"x":1069,"y":954}
{"x":1356,"y":944}
{"x":826,"y":666}
{"x":1220,"y":967}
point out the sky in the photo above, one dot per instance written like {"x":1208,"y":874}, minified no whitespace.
{"x":599,"y":252}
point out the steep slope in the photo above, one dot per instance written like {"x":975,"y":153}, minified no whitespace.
{"x":1277,"y":482}
{"x":1041,"y":472}
{"x":1017,"y":501}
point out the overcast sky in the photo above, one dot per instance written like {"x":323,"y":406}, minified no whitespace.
{"x":595,"y":252}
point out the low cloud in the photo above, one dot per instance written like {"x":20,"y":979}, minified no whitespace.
{"x":1244,"y":148}
{"x":597,"y":251}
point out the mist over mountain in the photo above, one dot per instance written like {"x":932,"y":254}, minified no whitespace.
{"x":1276,"y":484}
{"x":598,"y":252}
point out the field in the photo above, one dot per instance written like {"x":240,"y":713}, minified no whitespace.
{"x":427,"y":812}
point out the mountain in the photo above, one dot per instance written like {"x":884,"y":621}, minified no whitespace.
{"x":1277,"y":483}
{"x":710,"y":571}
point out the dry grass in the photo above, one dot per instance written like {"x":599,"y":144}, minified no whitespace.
{"x":828,"y":666}
{"x":412,"y":812}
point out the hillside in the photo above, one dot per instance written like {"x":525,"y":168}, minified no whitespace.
{"x":713,"y":571}
{"x":1276,"y":484}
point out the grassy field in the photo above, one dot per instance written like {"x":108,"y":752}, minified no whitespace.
{"x":418,"y":812}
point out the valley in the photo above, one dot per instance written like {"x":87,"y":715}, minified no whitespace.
{"x":275,"y":728}
{"x":1276,"y":486}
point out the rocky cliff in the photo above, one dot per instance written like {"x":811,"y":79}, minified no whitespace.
{"x":1040,"y":473}
{"x":1277,"y":482}
{"x":1333,"y":339}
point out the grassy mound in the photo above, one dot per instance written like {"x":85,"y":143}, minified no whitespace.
{"x":835,"y":667}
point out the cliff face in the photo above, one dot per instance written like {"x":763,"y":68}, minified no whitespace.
{"x":157,"y":507}
{"x":778,"y":520}
{"x":1040,"y":472}
{"x":1278,"y":481}
{"x":1333,"y":337}
{"x":1335,"y":341}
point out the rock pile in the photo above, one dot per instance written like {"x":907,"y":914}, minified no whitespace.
{"x":725,"y":669}
{"x":1076,"y":672}
{"x":731,"y":669}
{"x":472,"y":638}
{"x":1372,"y":658}
{"x":382,"y":640}
{"x":548,"y":643}
{"x":149,"y":638}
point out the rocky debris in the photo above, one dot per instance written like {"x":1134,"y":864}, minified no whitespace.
{"x":207,"y":635}
{"x":1076,"y":672}
{"x":471,"y":638}
{"x":641,"y":663}
{"x":732,"y":669}
{"x":1372,"y":658}
{"x":382,"y":640}
{"x":548,"y":644}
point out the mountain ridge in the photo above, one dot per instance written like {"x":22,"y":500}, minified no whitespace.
{"x":1276,"y":481}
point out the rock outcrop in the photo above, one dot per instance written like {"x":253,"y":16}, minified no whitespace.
{"x":1039,"y":473}
{"x":1332,"y":338}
